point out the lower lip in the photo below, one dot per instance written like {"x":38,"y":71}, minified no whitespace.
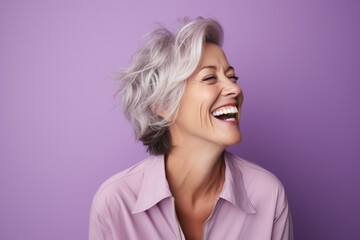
{"x":231,"y":121}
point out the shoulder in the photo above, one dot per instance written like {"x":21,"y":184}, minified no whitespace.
{"x":266,"y":194}
{"x":252,"y":171}
{"x":122,"y":187}
{"x":258,"y":181}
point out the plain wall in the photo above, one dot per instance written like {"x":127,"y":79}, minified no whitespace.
{"x":62,"y":132}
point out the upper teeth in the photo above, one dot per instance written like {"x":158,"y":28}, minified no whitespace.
{"x":225,"y":110}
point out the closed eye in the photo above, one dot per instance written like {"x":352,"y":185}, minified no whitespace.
{"x":233,"y":78}
{"x":210,"y":78}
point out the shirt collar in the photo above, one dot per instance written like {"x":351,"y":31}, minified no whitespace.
{"x":234,"y":190}
{"x":156,"y":188}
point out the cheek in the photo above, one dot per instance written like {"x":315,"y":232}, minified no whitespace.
{"x":196,"y":105}
{"x":203,"y":115}
{"x":204,"y":111}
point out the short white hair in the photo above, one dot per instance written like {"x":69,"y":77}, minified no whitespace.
{"x":153,"y":84}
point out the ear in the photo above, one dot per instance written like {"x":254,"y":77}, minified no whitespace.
{"x":160,"y":111}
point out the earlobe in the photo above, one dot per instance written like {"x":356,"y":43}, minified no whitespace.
{"x":159,"y":111}
{"x":161,"y":114}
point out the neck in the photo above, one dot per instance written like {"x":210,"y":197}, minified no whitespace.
{"x":195,"y":174}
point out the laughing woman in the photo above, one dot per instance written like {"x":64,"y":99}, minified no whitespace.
{"x":181,"y":96}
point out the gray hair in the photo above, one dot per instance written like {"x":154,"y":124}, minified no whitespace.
{"x":153,"y":84}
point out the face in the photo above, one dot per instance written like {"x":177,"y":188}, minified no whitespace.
{"x":209,"y":110}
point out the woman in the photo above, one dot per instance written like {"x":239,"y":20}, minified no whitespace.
{"x":180,"y":94}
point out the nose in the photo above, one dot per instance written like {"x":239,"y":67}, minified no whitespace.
{"x":231,"y":89}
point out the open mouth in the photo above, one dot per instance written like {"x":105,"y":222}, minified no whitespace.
{"x":228,"y":113}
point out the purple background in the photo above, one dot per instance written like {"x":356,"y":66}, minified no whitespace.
{"x":62,"y":132}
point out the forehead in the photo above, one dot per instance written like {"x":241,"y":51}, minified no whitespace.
{"x":213,"y":55}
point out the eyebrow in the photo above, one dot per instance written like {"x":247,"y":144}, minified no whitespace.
{"x":229,"y":68}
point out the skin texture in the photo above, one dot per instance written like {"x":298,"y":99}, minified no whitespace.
{"x":195,"y":167}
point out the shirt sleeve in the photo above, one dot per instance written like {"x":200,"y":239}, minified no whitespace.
{"x":99,"y":228}
{"x":282,"y":226}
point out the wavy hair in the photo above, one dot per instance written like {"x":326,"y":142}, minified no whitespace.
{"x":153,"y":84}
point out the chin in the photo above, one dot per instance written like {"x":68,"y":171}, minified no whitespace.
{"x":238,"y":140}
{"x":235,"y":140}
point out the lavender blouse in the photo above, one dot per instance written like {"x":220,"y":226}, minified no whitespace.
{"x":137,"y":204}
